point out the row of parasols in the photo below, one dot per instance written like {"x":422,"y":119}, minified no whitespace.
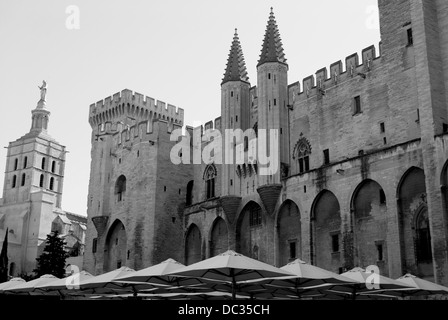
{"x":226,"y":276}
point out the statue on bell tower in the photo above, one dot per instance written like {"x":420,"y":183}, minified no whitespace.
{"x":43,"y":90}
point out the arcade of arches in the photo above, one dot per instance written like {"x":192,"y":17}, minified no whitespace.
{"x":328,"y":248}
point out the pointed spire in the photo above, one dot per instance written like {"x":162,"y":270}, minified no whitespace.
{"x":272,"y":50}
{"x":236,"y":66}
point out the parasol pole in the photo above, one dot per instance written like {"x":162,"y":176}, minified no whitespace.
{"x":354,"y":292}
{"x":232,"y":274}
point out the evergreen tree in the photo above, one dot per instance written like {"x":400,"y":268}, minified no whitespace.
{"x":52,"y":260}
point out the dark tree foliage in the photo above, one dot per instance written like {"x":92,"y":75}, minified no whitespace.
{"x":52,"y":260}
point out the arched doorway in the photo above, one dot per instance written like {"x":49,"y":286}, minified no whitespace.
{"x":289,"y":233}
{"x":326,"y":232}
{"x":219,"y":241}
{"x":370,"y":226}
{"x":414,"y":225}
{"x":193,"y":245}
{"x":249,"y":235}
{"x":115,"y":248}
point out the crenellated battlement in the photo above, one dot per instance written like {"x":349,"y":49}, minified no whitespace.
{"x":134,"y":105}
{"x":209,"y":125}
{"x":126,"y":136}
{"x":338,"y":73}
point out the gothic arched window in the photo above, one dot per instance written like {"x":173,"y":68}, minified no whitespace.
{"x":209,"y":177}
{"x":255,"y":216}
{"x":302,"y":152}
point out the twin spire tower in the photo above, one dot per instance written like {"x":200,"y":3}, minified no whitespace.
{"x":261,"y":107}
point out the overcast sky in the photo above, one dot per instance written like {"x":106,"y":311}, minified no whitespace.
{"x":173,"y":50}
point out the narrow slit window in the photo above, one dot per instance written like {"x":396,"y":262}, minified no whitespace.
{"x":326,"y":156}
{"x":301,"y":167}
{"x":307,"y":163}
{"x":335,"y":243}
{"x":410,"y":37}
{"x":292,"y":250}
{"x":379,"y":248}
{"x":357,"y":105}
{"x":94,"y":245}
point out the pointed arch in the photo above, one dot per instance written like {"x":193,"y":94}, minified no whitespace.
{"x":411,"y":193}
{"x":249,"y":232}
{"x":115,"y":246}
{"x":369,"y":222}
{"x":193,"y":245}
{"x":210,"y":176}
{"x":289,"y":233}
{"x":326,"y":231}
{"x":219,"y":237}
{"x":301,"y":152}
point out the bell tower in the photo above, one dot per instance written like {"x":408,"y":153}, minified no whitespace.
{"x":35,"y":161}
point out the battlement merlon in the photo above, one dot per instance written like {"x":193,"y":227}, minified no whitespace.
{"x":133,"y":104}
{"x":323,"y":80}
